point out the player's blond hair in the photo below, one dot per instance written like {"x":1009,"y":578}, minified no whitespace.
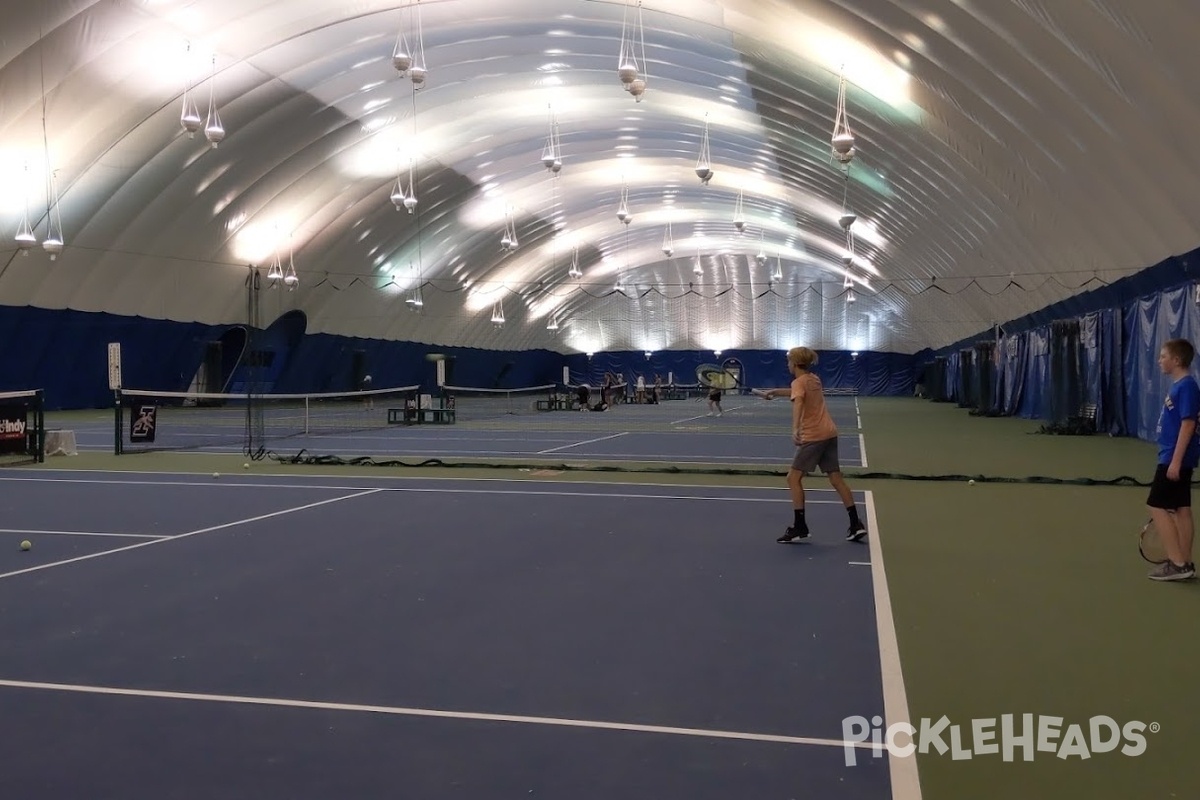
{"x":802,"y":357}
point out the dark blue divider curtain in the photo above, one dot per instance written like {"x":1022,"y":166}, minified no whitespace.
{"x":1037,"y":375}
{"x":953,"y":370}
{"x":935,"y":380}
{"x":1104,"y":339}
{"x":1014,"y":364}
{"x":966,"y":379}
{"x":1066,"y":372}
{"x":1149,"y":322}
{"x":983,"y":380}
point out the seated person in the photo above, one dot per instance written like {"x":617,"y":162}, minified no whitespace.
{"x":582,"y":395}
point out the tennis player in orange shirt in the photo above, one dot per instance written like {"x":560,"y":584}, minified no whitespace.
{"x":816,"y":438}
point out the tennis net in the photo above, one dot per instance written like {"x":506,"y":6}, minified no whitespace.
{"x":22,"y":428}
{"x":150,"y":420}
{"x":470,"y":403}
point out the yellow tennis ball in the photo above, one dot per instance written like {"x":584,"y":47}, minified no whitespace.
{"x":246,"y":466}
{"x":216,"y":474}
{"x":971,"y":483}
{"x":25,"y":545}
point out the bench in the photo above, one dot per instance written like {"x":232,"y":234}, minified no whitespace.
{"x":1085,"y":420}
{"x":554,"y":404}
{"x":420,"y":416}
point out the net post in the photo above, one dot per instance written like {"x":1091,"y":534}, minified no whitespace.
{"x":40,"y":417}
{"x":307,"y":408}
{"x":119,"y":422}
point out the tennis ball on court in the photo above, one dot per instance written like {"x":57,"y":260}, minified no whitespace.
{"x":25,"y":545}
{"x":971,"y":482}
{"x":216,"y":475}
{"x":246,"y":465}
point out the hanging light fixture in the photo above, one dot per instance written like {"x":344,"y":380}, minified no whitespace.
{"x":668,"y":246}
{"x":575,"y":271}
{"x":25,"y":238}
{"x":498,"y":313}
{"x":190,"y":117}
{"x":843,"y":138}
{"x":631,"y":64}
{"x":398,"y":194}
{"x":54,"y":237}
{"x":623,"y":214}
{"x":777,"y":275}
{"x":291,"y":279}
{"x":704,"y":162}
{"x":275,"y":272}
{"x":739,"y":213}
{"x":214,"y":131}
{"x":402,"y":58}
{"x":415,"y":300}
{"x":410,"y":197}
{"x":417,"y":72}
{"x":552,"y":152}
{"x":627,"y":66}
{"x":509,"y":242}
{"x":552,"y":325}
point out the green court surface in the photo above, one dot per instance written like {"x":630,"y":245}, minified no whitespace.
{"x":1009,"y":598}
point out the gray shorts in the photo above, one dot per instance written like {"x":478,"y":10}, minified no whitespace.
{"x":811,"y":455}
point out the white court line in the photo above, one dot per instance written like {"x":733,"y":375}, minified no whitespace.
{"x":702,"y":416}
{"x":183,"y":535}
{"x":398,"y":451}
{"x":857,"y":413}
{"x":862,"y":449}
{"x":906,"y":782}
{"x":580,"y":444}
{"x":860,"y":563}
{"x":431,"y":490}
{"x":433,"y":712}
{"x":543,"y":481}
{"x":85,"y":533}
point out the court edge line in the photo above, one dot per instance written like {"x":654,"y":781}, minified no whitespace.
{"x":86,"y":533}
{"x":183,"y":535}
{"x":437,"y":713}
{"x":778,"y":487}
{"x":862,"y":450}
{"x":580,"y":444}
{"x":431,"y":490}
{"x":905,"y":778}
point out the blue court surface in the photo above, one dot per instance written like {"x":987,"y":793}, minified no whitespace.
{"x":316,"y":637}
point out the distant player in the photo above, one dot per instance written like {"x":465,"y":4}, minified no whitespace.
{"x":714,"y":402}
{"x":816,"y":438}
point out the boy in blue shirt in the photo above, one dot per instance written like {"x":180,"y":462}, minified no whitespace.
{"x":1170,"y":499}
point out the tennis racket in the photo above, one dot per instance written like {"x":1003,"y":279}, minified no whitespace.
{"x":713,"y":376}
{"x":1150,"y":544}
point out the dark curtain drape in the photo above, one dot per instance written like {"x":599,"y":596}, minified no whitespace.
{"x":1067,"y":378}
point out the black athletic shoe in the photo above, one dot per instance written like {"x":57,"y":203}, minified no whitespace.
{"x":792,"y":535}
{"x":856,"y":533}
